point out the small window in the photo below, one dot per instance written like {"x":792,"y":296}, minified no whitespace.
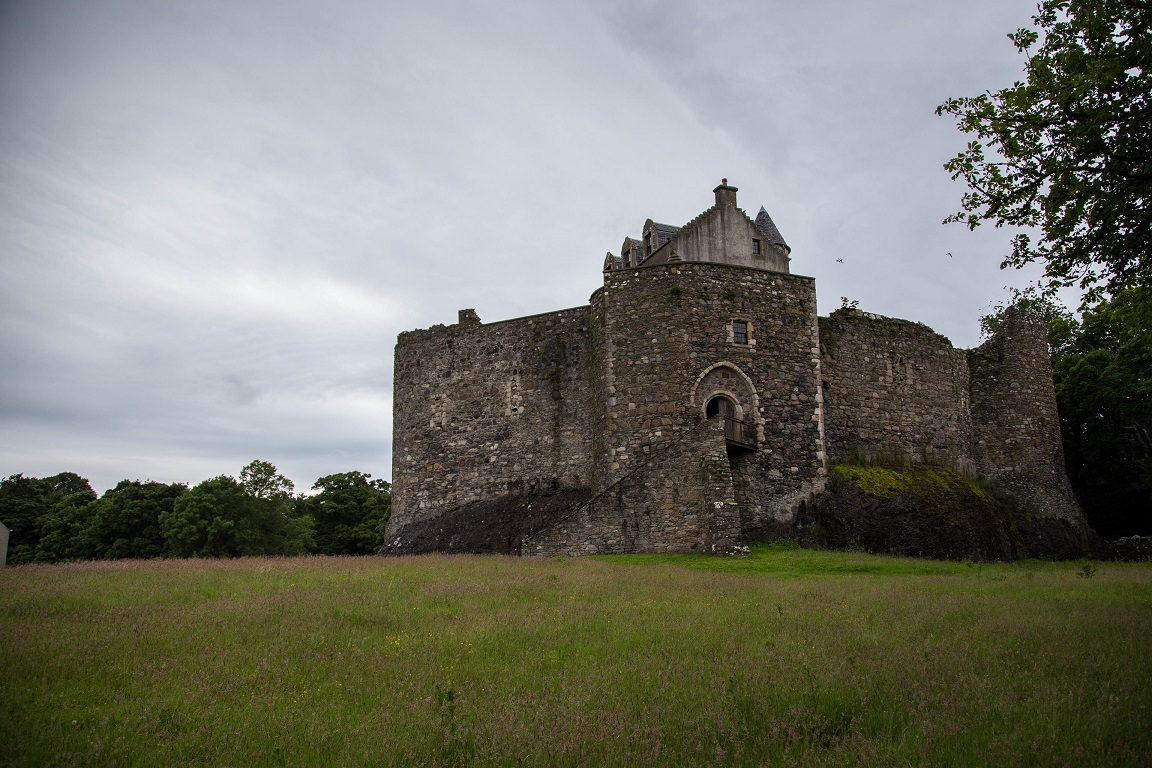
{"x":648,"y":244}
{"x":739,"y":332}
{"x":755,"y":247}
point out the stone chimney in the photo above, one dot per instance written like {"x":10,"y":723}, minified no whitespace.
{"x":725,"y":195}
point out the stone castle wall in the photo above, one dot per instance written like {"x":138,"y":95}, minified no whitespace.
{"x":483,"y":411}
{"x":611,"y":401}
{"x":671,"y":348}
{"x":893,"y":389}
{"x":1016,"y":438}
{"x":681,"y":500}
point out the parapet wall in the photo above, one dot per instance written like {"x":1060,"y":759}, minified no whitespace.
{"x":893,"y":389}
{"x":483,"y":411}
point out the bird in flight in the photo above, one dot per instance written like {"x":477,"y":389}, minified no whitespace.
{"x":839,"y":261}
{"x":949,"y":254}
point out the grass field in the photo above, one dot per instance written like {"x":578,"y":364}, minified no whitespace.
{"x":785,"y":657}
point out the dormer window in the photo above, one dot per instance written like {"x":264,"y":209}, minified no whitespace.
{"x":755,"y":247}
{"x":647,"y":243}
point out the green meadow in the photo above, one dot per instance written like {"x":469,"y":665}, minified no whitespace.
{"x":784,"y":657}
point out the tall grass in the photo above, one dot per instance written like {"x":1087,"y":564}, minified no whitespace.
{"x":786,"y":657}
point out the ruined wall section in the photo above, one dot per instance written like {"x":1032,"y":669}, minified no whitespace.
{"x":1015,"y":425}
{"x":669,"y":345}
{"x":680,"y":500}
{"x":893,"y":389}
{"x":488,"y":410}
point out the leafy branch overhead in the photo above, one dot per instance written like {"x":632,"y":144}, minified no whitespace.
{"x":1068,"y":152}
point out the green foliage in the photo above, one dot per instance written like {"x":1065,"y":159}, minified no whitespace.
{"x":225,"y":518}
{"x":25,"y":504}
{"x":67,"y":531}
{"x":1068,"y":150}
{"x":260,"y":480}
{"x":59,"y":518}
{"x":127,"y":519}
{"x":203,"y":521}
{"x":350,"y":510}
{"x":1103,"y":381}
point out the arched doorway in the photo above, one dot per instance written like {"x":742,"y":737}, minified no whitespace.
{"x":723,"y":390}
{"x":720,"y":406}
{"x":738,"y":433}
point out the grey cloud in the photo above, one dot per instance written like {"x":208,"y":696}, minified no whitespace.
{"x":215,"y":217}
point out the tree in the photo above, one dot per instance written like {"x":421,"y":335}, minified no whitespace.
{"x":1069,"y":151}
{"x":25,"y":504}
{"x":202,"y":522}
{"x":67,"y":531}
{"x":261,"y":480}
{"x":282,"y":530}
{"x":1104,"y":395}
{"x":350,"y":511}
{"x":225,"y":518}
{"x":126,"y":519}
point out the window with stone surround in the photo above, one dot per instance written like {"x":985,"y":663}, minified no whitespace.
{"x":740,"y":331}
{"x":755,"y":247}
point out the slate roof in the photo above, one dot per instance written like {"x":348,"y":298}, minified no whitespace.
{"x":765,"y":224}
{"x":636,"y":249}
{"x":664,"y":233}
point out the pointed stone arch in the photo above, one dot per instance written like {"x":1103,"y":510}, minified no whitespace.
{"x":725,"y":379}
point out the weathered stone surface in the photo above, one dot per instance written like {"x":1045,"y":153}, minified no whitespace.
{"x":485,"y":411}
{"x":893,"y":389}
{"x":680,"y":501}
{"x":1016,"y":439}
{"x":1135,"y":548}
{"x":939,"y":517}
{"x":493,"y":526}
{"x":613,"y":399}
{"x":672,"y":350}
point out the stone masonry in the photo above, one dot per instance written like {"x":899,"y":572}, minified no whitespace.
{"x":695,"y":402}
{"x":900,"y":391}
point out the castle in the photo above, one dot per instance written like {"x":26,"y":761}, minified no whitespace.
{"x":695,"y":403}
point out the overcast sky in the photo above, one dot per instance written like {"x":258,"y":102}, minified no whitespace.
{"x":215,"y":216}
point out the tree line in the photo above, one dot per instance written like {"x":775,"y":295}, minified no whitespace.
{"x":60,"y":518}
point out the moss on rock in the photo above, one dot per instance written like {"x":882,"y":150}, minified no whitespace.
{"x":935,"y":486}
{"x":930,"y":512}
